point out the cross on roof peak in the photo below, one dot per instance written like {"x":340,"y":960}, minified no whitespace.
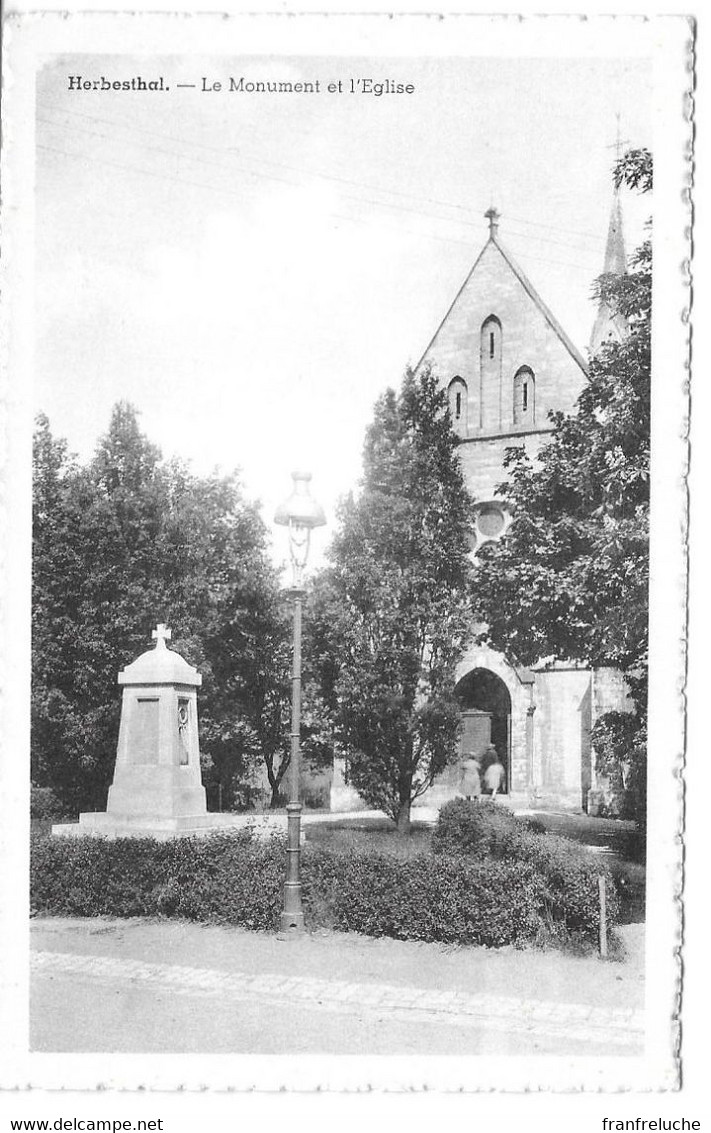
{"x":493,"y":216}
{"x":160,"y":635}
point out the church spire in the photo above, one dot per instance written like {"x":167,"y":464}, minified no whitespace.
{"x":609,"y":326}
{"x":615,"y":256}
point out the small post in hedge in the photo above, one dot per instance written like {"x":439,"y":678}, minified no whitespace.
{"x":603,"y":916}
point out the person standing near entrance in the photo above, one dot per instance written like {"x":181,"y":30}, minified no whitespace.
{"x":489,"y":756}
{"x":494,"y":777}
{"x":471,"y":779}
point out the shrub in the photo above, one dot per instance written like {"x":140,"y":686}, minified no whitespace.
{"x":571,"y":876}
{"x":226,"y":877}
{"x":45,"y":806}
{"x":426,"y":897}
{"x":78,"y":877}
{"x":567,"y":870}
{"x":482,"y":829}
{"x":516,"y":898}
{"x":316,"y":796}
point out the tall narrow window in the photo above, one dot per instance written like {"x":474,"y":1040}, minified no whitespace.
{"x":490,"y":354}
{"x":524,"y":396}
{"x":458,"y":404}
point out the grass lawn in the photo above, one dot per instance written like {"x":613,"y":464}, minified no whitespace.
{"x":372,"y":834}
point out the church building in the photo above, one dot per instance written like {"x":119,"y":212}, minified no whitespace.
{"x":506,"y":362}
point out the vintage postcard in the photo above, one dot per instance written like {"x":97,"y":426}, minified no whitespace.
{"x":345,"y":397}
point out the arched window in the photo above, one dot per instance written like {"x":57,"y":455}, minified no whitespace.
{"x":524,"y":396}
{"x":490,"y":352}
{"x":491,"y":338}
{"x":458,"y":404}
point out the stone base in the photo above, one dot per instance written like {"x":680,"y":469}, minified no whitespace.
{"x":140,"y":792}
{"x":98,"y":824}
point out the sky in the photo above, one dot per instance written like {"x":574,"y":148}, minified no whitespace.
{"x":252,"y":270}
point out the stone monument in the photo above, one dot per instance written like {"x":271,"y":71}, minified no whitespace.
{"x":157,"y":788}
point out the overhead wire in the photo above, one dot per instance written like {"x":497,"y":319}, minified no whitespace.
{"x":229,"y":192}
{"x":269,"y":161}
{"x":554,"y":227}
{"x":173,"y":179}
{"x":310,"y":173}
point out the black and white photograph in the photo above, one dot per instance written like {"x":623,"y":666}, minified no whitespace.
{"x":348,"y":388}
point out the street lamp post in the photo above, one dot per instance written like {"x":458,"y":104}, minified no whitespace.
{"x":300,"y":513}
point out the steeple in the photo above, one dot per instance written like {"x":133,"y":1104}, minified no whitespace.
{"x":615,"y":256}
{"x":608,"y":326}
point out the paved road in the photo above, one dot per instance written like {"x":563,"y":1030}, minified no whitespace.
{"x":115,"y":985}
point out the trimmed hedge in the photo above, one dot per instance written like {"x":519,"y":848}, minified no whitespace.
{"x":568,"y":871}
{"x":484,"y":828}
{"x":572,"y":874}
{"x":233,"y":879}
{"x":425,"y":898}
{"x":226,"y":877}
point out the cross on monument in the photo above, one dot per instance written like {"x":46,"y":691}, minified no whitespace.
{"x":160,"y":635}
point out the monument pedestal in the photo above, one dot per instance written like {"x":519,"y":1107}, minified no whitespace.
{"x":100,"y":824}
{"x":157,"y":789}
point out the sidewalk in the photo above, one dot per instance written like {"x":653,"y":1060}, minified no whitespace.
{"x":136,"y":985}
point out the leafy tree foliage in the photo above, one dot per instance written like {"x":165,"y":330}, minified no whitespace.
{"x":620,"y":741}
{"x":389,"y":617}
{"x":120,"y":544}
{"x":635,"y":170}
{"x":570,"y":580}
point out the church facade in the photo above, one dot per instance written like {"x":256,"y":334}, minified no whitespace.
{"x":505,"y":363}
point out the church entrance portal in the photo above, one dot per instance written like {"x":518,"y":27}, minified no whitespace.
{"x":486,"y":717}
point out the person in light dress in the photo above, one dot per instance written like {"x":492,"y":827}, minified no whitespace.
{"x":471,"y":778}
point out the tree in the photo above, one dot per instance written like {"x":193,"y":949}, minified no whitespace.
{"x":390,"y":616}
{"x":56,"y":572}
{"x":122,"y":543}
{"x":570,"y":579}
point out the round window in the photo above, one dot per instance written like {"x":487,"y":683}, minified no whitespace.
{"x":490,"y":520}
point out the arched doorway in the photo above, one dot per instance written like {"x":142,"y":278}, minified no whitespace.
{"x":486,"y":717}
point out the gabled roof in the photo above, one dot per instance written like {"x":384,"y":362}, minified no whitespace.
{"x":545,"y":311}
{"x":528,"y":288}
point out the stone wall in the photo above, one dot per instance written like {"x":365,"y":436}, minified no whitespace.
{"x":483,"y":459}
{"x":561,"y":734}
{"x":610,"y":692}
